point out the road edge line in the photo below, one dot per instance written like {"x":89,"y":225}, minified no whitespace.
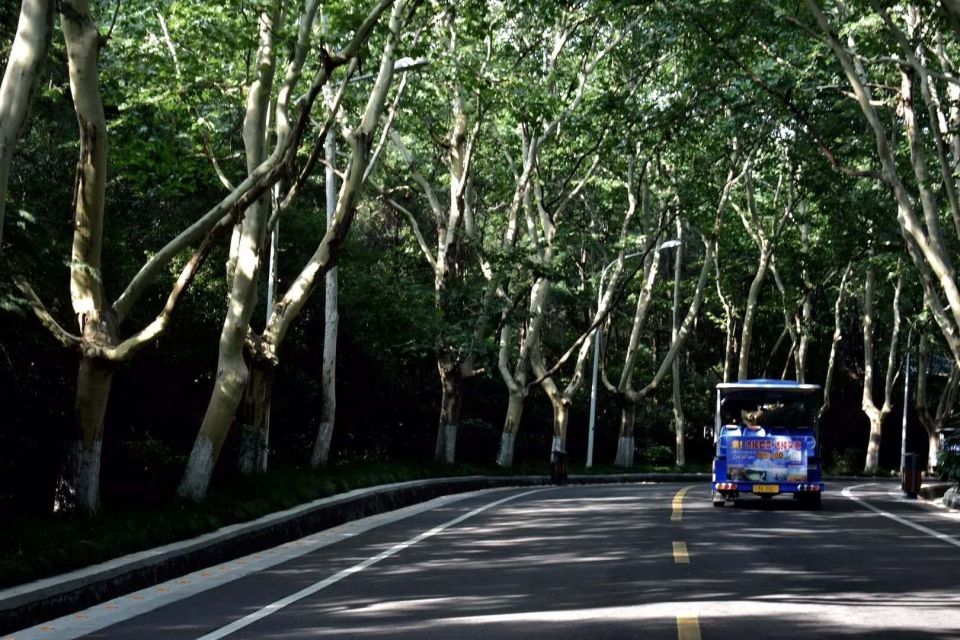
{"x":848,"y":493}
{"x":306,"y":592}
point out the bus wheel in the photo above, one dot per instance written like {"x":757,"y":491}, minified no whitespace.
{"x":718,"y":500}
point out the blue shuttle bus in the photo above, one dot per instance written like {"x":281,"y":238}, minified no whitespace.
{"x":766,"y":441}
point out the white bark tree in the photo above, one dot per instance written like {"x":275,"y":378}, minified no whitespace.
{"x":238,"y":341}
{"x":250,"y":236}
{"x":331,"y":323}
{"x":875,"y":414}
{"x":834,"y":341}
{"x":20,"y":79}
{"x":99,"y":341}
{"x":764,"y":234}
{"x":730,"y":316}
{"x":627,"y":395}
{"x":680,"y":456}
{"x":945,"y":405}
{"x":923,"y":233}
{"x":541,"y":226}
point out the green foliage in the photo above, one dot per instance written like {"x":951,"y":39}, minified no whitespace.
{"x":847,"y":462}
{"x":657,"y":455}
{"x":687,"y":95}
{"x":948,"y":462}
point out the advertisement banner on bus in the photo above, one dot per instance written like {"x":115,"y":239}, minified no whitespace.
{"x":767,"y":459}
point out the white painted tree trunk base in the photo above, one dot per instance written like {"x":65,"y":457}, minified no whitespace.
{"x":321,"y":448}
{"x":505,"y":457}
{"x":559,"y":443}
{"x":934,"y":448}
{"x":625,"y":449}
{"x":79,"y":487}
{"x":449,"y":443}
{"x":254,"y":449}
{"x":196,"y":478}
{"x":681,"y":454}
{"x":873,"y":447}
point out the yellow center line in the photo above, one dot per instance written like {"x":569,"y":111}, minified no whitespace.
{"x":680,"y":553}
{"x":688,"y":628}
{"x":677,"y":514}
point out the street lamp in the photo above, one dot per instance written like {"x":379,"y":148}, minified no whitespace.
{"x":669,"y":244}
{"x":906,"y":395}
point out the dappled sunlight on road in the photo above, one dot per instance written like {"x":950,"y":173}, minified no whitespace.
{"x":536,"y":568}
{"x":557,"y":561}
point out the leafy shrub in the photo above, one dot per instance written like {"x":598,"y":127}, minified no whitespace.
{"x":849,"y":461}
{"x":948,"y":462}
{"x":658,"y":455}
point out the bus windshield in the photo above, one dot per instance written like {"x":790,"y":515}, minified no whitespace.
{"x":753,"y":411}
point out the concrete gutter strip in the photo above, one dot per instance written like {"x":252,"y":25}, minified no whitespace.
{"x":28,"y":604}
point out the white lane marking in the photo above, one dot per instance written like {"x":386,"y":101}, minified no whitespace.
{"x":848,"y":493}
{"x":930,"y":506}
{"x":122,"y":608}
{"x":272,"y":608}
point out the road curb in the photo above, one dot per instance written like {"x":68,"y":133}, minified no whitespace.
{"x":28,"y":604}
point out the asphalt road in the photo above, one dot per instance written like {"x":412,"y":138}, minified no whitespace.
{"x":611,"y":561}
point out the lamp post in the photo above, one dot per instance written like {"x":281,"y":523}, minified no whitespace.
{"x":669,"y":244}
{"x":906,"y":396}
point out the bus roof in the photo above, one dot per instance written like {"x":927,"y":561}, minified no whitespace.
{"x":762,"y":383}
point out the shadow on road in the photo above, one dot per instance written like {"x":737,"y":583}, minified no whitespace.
{"x":763,"y":569}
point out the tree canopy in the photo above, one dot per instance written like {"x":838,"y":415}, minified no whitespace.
{"x":472,"y":196}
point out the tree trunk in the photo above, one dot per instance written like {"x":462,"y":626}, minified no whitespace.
{"x":933,"y":422}
{"x":876,"y":415}
{"x":253,"y":419}
{"x":27,"y":54}
{"x":746,"y":331}
{"x":868,"y":405}
{"x":97,"y":326}
{"x":446,"y":448}
{"x":873,"y":445}
{"x":923,"y":239}
{"x":678,"y":418}
{"x":232,"y":374}
{"x":232,"y":371}
{"x":331,"y":321}
{"x":834,"y":342}
{"x":79,"y":485}
{"x":804,"y":347}
{"x":729,"y":325}
{"x":510,"y":426}
{"x":933,"y":443}
{"x":561,"y":418}
{"x":679,"y":425}
{"x":626,"y":445}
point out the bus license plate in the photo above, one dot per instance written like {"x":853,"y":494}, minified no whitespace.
{"x":766,"y":488}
